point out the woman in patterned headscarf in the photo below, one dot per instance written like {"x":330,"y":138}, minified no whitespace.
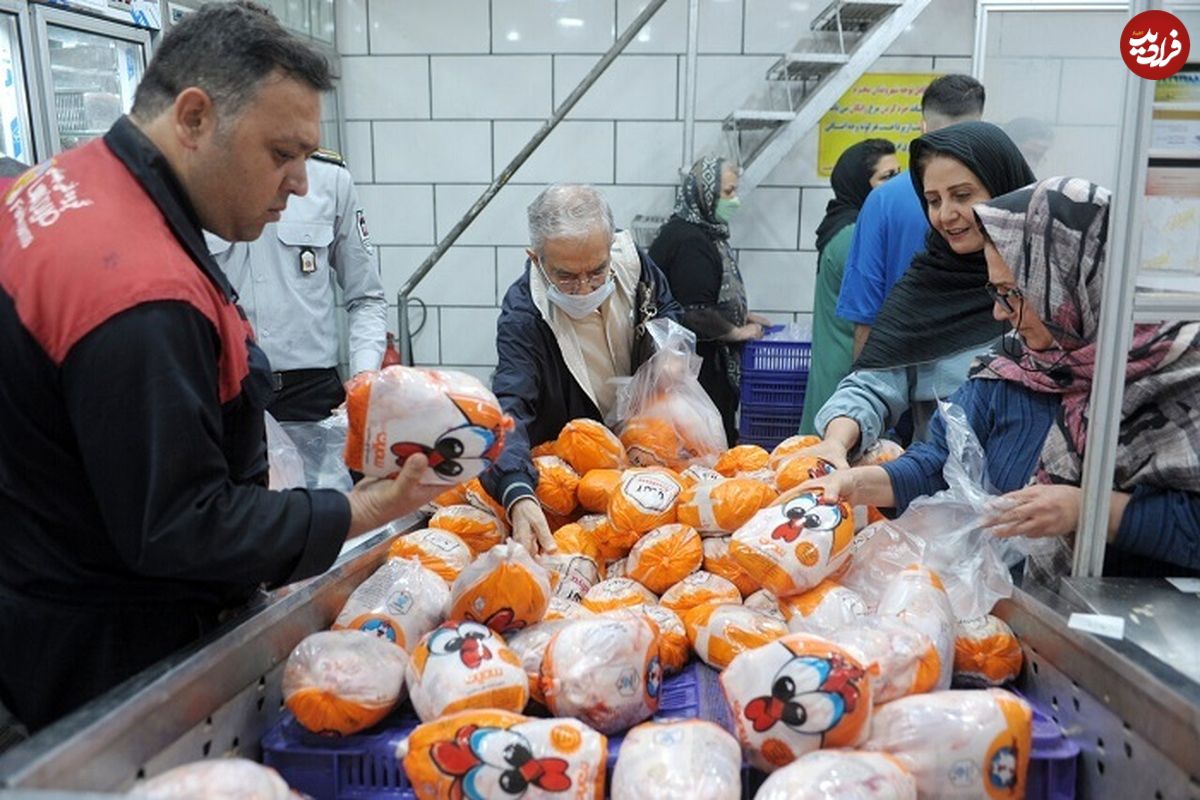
{"x":692,"y":249}
{"x":1028,"y":400}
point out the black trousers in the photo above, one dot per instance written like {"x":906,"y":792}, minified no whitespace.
{"x":306,"y":395}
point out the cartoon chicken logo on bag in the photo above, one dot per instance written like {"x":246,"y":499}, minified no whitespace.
{"x":462,"y":665}
{"x":496,"y":762}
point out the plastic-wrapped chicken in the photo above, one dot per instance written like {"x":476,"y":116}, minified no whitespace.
{"x":906,"y":660}
{"x":764,"y":476}
{"x":986,"y":652}
{"x":791,"y":547}
{"x":557,"y":485}
{"x":795,"y":470}
{"x":699,"y":588}
{"x":743,"y":458}
{"x":504,"y":589}
{"x":823,"y":609}
{"x":461,"y":665}
{"x":764,"y":602}
{"x":617,"y":593}
{"x":645,"y":499}
{"x":796,"y":695}
{"x":587,"y":445}
{"x":604,"y":671}
{"x":455,"y":495}
{"x":530,"y":646}
{"x":498,"y":755}
{"x":475,"y":495}
{"x":399,"y":411}
{"x":400,"y":602}
{"x":216,"y":779}
{"x":596,"y":488}
{"x":719,"y":561}
{"x":665,"y":556}
{"x":616,"y":568}
{"x":565,"y":609}
{"x":678,"y":760}
{"x":723,"y":506}
{"x":697,"y":473}
{"x":969,"y":743}
{"x":882,"y":452}
{"x":572,"y":575}
{"x":719,"y":632}
{"x":342,"y":682}
{"x":917,"y":597}
{"x":840,"y":775}
{"x":478,"y":529}
{"x":549,"y":448}
{"x":439,"y":551}
{"x":790,"y":447}
{"x":673,"y":647}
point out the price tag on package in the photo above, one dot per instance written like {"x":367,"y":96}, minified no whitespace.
{"x":1099,"y":624}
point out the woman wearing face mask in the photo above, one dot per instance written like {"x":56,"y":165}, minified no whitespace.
{"x":861,"y":168}
{"x":1027,"y":401}
{"x":692,"y":249}
{"x":937,"y":318}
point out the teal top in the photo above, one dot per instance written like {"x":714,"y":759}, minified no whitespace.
{"x":832,"y":337}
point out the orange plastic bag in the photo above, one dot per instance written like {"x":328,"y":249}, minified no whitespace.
{"x":790,"y":447}
{"x":719,"y":561}
{"x":766,"y":603}
{"x":791,"y":547}
{"x":477,"y":496}
{"x":986,"y":652}
{"x":722,"y":507}
{"x":342,"y":682}
{"x":574,"y":539}
{"x":461,"y":665}
{"x":450,"y":417}
{"x":479,"y":530}
{"x":557,"y":485}
{"x":455,"y":495}
{"x":796,"y":470}
{"x":504,"y":589}
{"x":596,"y":488}
{"x":439,"y":551}
{"x":718,"y":632}
{"x":743,"y":458}
{"x":698,"y":589}
{"x":645,"y":499}
{"x":549,"y":448}
{"x":696,"y":473}
{"x":400,"y":602}
{"x":797,"y":695}
{"x":824,"y":609}
{"x":617,"y":593}
{"x":665,"y":556}
{"x":604,"y":671}
{"x":490,"y":753}
{"x":586,"y":445}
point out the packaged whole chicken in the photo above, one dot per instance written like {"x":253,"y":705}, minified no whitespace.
{"x":572,"y":575}
{"x":882,"y":452}
{"x":764,"y":602}
{"x":342,"y":682}
{"x":461,"y":665}
{"x":439,"y":551}
{"x":743,"y":458}
{"x":719,"y":632}
{"x":449,"y":417}
{"x":839,"y":775}
{"x":699,"y":588}
{"x":719,"y":561}
{"x":963,"y":743}
{"x":796,"y":695}
{"x":478,"y":529}
{"x":604,"y":671}
{"x":549,"y":448}
{"x":400,"y":602}
{"x":764,"y":476}
{"x":697,"y":473}
{"x":790,"y":447}
{"x":616,"y":593}
{"x":791,"y":547}
{"x":558,"y":485}
{"x":455,"y":495}
{"x":216,"y":779}
{"x":505,"y":589}
{"x":674,"y":650}
{"x":823,"y":609}
{"x":615,"y":568}
{"x":678,"y":760}
{"x":530,"y":646}
{"x":664,"y":557}
{"x":575,"y":539}
{"x":497,"y":754}
{"x":476,"y":495}
{"x":596,"y":488}
{"x":917,"y":597}
{"x":906,"y":660}
{"x":795,"y":470}
{"x":565,"y":609}
{"x":586,"y":445}
{"x":986,"y":652}
{"x":645,"y":499}
{"x":724,"y":506}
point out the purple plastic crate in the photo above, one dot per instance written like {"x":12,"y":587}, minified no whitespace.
{"x":1053,"y":761}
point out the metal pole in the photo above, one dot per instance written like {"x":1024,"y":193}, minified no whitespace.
{"x":506,"y":174}
{"x":689,"y":87}
{"x":1116,"y":326}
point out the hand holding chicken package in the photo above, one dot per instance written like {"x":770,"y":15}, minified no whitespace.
{"x":504,"y":589}
{"x":678,"y":760}
{"x":400,"y":602}
{"x":449,"y":417}
{"x":838,"y":775}
{"x":461,"y":665}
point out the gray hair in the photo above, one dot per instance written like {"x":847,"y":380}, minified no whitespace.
{"x":228,"y":50}
{"x":567,"y":211}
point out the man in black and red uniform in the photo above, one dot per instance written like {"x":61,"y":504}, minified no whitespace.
{"x":132,"y":456}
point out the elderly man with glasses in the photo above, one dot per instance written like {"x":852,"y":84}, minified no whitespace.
{"x":570,"y":325}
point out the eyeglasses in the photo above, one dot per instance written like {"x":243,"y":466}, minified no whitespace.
{"x":588,"y":281}
{"x":1004,"y":296}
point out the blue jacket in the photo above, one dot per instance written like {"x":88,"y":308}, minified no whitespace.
{"x":534,"y":385}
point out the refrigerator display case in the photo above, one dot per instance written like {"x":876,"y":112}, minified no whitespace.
{"x":16,"y":132}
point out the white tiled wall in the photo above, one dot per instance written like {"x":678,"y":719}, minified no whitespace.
{"x":439,"y":96}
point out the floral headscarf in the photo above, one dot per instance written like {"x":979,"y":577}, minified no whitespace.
{"x":696,"y":197}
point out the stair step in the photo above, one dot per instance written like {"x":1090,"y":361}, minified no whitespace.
{"x":754,"y":119}
{"x":800,"y":66}
{"x":856,"y":15}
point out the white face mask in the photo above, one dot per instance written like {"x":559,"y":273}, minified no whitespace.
{"x":578,"y":306}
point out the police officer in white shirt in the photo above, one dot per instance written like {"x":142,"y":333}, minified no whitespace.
{"x":286,"y":282}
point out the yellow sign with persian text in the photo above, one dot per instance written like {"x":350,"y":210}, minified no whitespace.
{"x":877,"y":106}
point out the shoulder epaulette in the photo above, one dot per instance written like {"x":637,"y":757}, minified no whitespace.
{"x":332,"y":156}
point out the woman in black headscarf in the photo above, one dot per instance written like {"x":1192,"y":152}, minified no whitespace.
{"x":861,"y":168}
{"x":938,"y":317}
{"x":692,"y":249}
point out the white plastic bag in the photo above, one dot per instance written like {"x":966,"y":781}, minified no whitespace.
{"x":320,"y":445}
{"x":285,"y":468}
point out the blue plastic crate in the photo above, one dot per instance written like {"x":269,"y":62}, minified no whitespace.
{"x":761,"y":356}
{"x":782,"y":392}
{"x":767,"y":427}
